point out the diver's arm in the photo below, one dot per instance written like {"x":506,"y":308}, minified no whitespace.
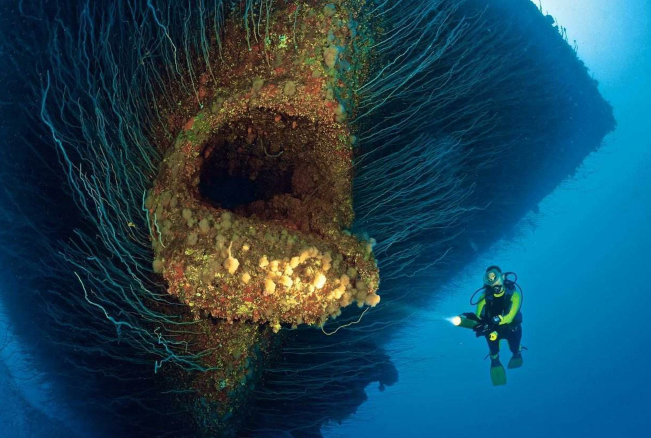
{"x":480,"y":306}
{"x":516,"y":302}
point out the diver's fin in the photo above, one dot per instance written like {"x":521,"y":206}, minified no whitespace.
{"x":498,"y":373}
{"x":516,"y":361}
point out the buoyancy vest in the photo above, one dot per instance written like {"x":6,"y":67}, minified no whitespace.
{"x":501,"y":305}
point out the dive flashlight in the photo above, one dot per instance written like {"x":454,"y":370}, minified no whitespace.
{"x":466,"y":320}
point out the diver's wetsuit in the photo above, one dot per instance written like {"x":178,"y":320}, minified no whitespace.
{"x":507,"y":307}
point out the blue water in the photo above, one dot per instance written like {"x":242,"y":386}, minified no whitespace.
{"x":585,"y":272}
{"x":583,"y":262}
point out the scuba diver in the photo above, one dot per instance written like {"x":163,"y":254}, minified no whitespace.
{"x":497,"y":317}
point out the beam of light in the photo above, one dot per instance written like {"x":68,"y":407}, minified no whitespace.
{"x":455,"y":320}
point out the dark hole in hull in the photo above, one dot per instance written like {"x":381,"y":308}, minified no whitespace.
{"x":242,"y":167}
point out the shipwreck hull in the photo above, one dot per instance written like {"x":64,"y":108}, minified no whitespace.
{"x":377,"y":147}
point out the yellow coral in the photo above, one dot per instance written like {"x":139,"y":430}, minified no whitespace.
{"x":319,"y":280}
{"x":246,"y":277}
{"x":269,"y":286}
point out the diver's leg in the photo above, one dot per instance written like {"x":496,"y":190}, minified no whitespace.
{"x":494,"y":347}
{"x":498,"y":373}
{"x":514,"y":337}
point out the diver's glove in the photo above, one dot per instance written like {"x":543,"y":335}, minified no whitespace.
{"x":481,"y":329}
{"x":486,"y":326}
